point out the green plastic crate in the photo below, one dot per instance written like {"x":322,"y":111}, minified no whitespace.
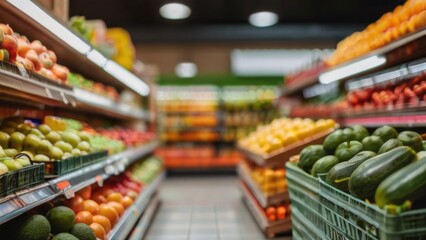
{"x":302,"y":228}
{"x":306,"y":181}
{"x":360,"y":220}
{"x":60,"y":167}
{"x":20,"y":179}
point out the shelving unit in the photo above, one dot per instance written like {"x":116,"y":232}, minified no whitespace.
{"x":271,"y":229}
{"x":141,"y":227}
{"x":18,"y":203}
{"x":134,"y":213}
{"x":264,"y":200}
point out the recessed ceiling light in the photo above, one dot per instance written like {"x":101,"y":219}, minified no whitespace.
{"x":186,"y":69}
{"x":263,"y":19}
{"x":175,"y":11}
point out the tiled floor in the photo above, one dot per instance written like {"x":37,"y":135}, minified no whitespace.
{"x":202,"y":208}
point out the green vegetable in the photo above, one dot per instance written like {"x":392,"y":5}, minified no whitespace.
{"x":386,"y":133}
{"x":347,"y":150}
{"x":339,"y":136}
{"x":338,"y":176}
{"x":411,"y":139}
{"x":408,"y":183}
{"x":309,"y":155}
{"x":360,"y":132}
{"x":367,"y":177}
{"x":389,"y":145}
{"x":324,"y":165}
{"x":372,"y":143}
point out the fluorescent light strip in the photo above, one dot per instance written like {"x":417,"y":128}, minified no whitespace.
{"x":97,"y":58}
{"x":43,"y":18}
{"x":129,"y":79}
{"x":351,"y":69}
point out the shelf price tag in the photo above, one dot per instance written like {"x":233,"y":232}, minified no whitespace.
{"x":69,"y":193}
{"x":100,"y":180}
{"x":23,"y":71}
{"x":66,"y":189}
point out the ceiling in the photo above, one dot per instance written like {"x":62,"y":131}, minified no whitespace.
{"x":227,"y":19}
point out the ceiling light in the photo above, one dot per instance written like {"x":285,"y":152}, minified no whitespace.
{"x":351,"y":69}
{"x":186,"y":70}
{"x":175,"y":11}
{"x":263,"y":19}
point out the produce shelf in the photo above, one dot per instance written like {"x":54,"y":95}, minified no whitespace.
{"x":271,"y":229}
{"x":400,"y":120}
{"x":263,"y":199}
{"x":402,"y":50}
{"x":132,"y":214}
{"x":141,"y":227}
{"x":279,"y":157}
{"x":29,"y":19}
{"x":20,"y":202}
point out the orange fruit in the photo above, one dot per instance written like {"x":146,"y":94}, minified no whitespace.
{"x":126,"y":201}
{"x":132,"y":194}
{"x":99,"y":230}
{"x":106,"y":191}
{"x":108,"y":212}
{"x":84,"y":217}
{"x":115,"y":197}
{"x":91,"y":206}
{"x":85,"y":193}
{"x":103,"y":221}
{"x":99,"y":198}
{"x":76,"y":204}
{"x":117,"y":206}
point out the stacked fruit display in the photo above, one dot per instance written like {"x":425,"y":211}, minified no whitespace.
{"x":282,"y":133}
{"x":270,"y":181}
{"x":129,"y":137}
{"x":33,"y":56}
{"x":410,"y":92}
{"x":77,"y":80}
{"x":382,"y":168}
{"x":404,"y":19}
{"x":278,"y":212}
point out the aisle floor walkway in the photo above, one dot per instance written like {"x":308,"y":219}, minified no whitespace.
{"x":202,"y":208}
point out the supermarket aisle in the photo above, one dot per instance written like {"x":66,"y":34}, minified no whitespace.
{"x":202,"y":208}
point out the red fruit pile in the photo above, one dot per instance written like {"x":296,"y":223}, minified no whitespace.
{"x":277,"y":213}
{"x":128,"y":136}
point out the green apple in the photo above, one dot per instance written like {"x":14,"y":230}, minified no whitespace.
{"x":23,"y":161}
{"x":16,"y":140}
{"x":84,"y":146}
{"x":76,"y":152}
{"x":10,"y":152}
{"x":12,"y":165}
{"x":45,"y":129}
{"x":24,"y":128}
{"x":53,"y":137}
{"x":30,"y":154}
{"x":37,"y":132}
{"x":31,"y":142}
{"x":41,"y":158}
{"x":84,"y":136}
{"x":84,"y":153}
{"x":4,"y":139}
{"x":2,"y":153}
{"x":44,"y":147}
{"x":56,"y":153}
{"x":3,"y":168}
{"x":71,"y":138}
{"x":67,"y":155}
{"x":65,"y":147}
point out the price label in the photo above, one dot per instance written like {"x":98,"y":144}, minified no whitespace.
{"x":69,"y":193}
{"x":23,"y":71}
{"x":100,"y":180}
{"x":63,"y":185}
{"x":109,"y":170}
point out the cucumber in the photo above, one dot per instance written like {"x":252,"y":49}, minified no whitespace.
{"x":309,"y":155}
{"x":408,"y":183}
{"x":338,"y":176}
{"x":323,"y":165}
{"x":389,"y":145}
{"x":366,"y":178}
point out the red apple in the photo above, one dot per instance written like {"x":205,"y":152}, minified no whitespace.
{"x":23,"y":47}
{"x":52,"y":55}
{"x":10,"y":43}
{"x":45,"y":60}
{"x":7,"y":30}
{"x":33,"y":57}
{"x":61,"y":72}
{"x":25,"y":63}
{"x":37,"y":46}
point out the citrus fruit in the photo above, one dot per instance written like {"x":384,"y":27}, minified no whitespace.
{"x":64,"y":236}
{"x":61,"y":219}
{"x":84,"y":217}
{"x":99,"y":230}
{"x":108,"y":212}
{"x":99,"y":198}
{"x":106,"y":191}
{"x":103,"y":221}
{"x":91,"y":206}
{"x":83,"y":231}
{"x":35,"y":227}
{"x":85,"y":193}
{"x":76,"y":204}
{"x":117,"y":206}
{"x":115,"y":197}
{"x":126,"y":201}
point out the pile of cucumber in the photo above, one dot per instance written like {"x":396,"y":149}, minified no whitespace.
{"x":386,"y":168}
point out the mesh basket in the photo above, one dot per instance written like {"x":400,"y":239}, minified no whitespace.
{"x":20,"y":179}
{"x":60,"y":167}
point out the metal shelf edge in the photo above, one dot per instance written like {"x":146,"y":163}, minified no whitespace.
{"x":142,"y":226}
